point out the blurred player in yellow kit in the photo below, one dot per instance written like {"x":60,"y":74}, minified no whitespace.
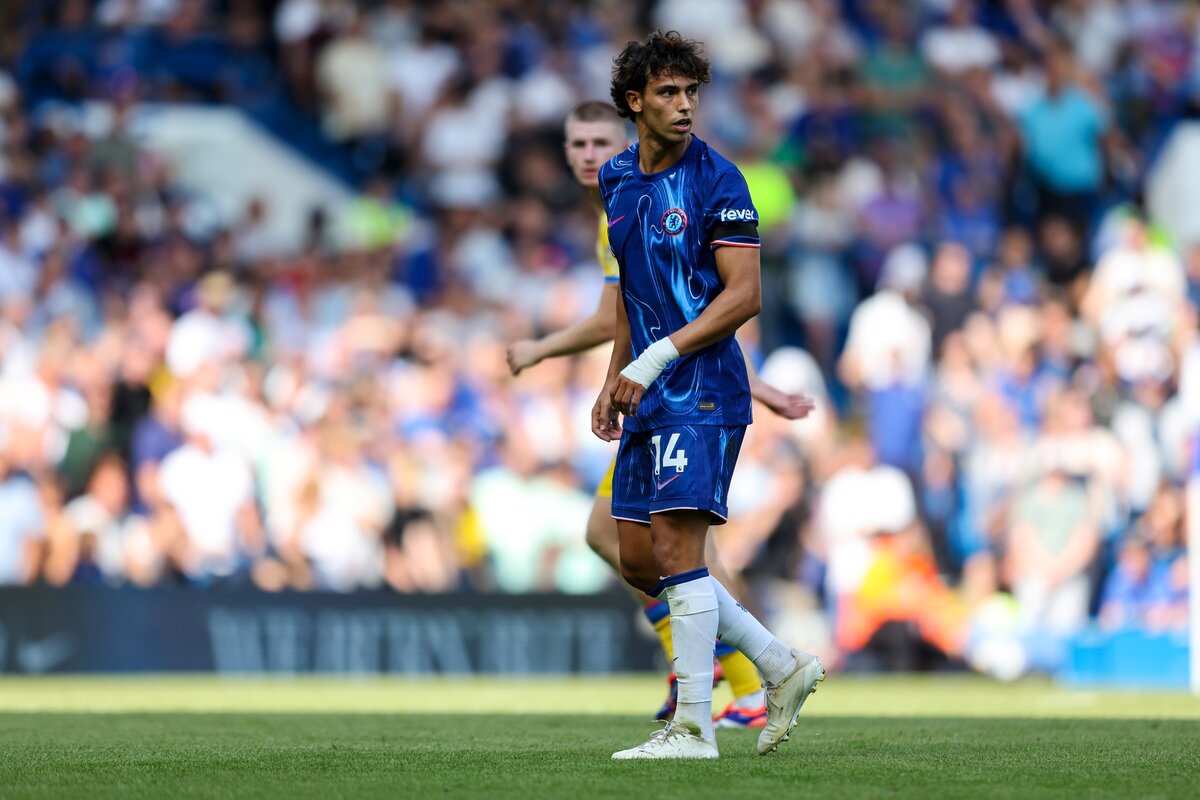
{"x":594,"y":133}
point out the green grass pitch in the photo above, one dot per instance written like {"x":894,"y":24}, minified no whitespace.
{"x":928,"y":737}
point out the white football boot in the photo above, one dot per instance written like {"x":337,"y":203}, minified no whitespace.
{"x":785,"y":699}
{"x":675,"y":740}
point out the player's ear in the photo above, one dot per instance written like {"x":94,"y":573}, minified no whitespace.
{"x":634,"y":101}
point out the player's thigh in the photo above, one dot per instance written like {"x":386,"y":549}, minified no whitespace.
{"x":678,"y":539}
{"x":602,"y":534}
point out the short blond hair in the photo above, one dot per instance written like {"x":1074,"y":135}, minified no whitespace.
{"x":595,"y":111}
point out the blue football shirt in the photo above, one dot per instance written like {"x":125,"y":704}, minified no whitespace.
{"x":664,"y":229}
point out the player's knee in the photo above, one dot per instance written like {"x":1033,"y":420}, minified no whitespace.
{"x":672,"y":557}
{"x":640,"y":576}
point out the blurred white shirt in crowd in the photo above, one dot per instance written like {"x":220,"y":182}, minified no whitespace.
{"x":207,"y":490}
{"x":88,"y":515}
{"x":200,"y":337}
{"x":18,"y":275}
{"x":847,"y":521}
{"x":1096,"y":28}
{"x":472,"y":135}
{"x":208,"y":486}
{"x":418,"y":74}
{"x":22,"y":522}
{"x":1126,"y":270}
{"x":956,"y":50}
{"x":352,"y":72}
{"x":343,"y":557}
{"x":296,"y":20}
{"x":889,"y":341}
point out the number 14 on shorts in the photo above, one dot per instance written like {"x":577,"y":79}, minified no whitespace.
{"x":670,"y":457}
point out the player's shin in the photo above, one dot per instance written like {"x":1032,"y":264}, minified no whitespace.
{"x":693,"y":627}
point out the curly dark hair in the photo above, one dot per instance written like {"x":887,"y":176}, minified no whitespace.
{"x":658,"y":54}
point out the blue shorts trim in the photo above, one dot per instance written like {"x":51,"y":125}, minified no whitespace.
{"x":720,"y":516}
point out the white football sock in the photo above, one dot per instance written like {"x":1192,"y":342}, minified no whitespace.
{"x":693,"y":628}
{"x":776,"y":662}
{"x":738,"y":627}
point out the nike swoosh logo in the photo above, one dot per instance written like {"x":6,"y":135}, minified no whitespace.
{"x":612,"y":222}
{"x":662,"y":485}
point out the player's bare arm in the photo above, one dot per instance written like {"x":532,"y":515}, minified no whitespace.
{"x":789,"y":405}
{"x":605,"y":421}
{"x":737,"y":303}
{"x":583,"y":335}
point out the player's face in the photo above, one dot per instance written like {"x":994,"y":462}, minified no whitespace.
{"x":589,"y":144}
{"x":667,"y":107}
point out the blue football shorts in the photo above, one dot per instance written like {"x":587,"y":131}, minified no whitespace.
{"x":675,"y":468}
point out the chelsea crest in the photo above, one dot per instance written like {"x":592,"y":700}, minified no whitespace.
{"x":674,"y":220}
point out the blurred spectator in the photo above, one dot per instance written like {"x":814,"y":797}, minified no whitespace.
{"x":205,"y":336}
{"x":252,"y":237}
{"x":896,"y":78}
{"x":1148,"y":587}
{"x":821,"y":290}
{"x":1050,"y":548}
{"x":209,"y":493}
{"x":887,"y":356}
{"x":343,"y":508}
{"x":950,"y":197}
{"x":1127,"y":589}
{"x":22,"y":525}
{"x":352,"y":79}
{"x":419,"y":556}
{"x":1064,"y":133}
{"x":1012,"y":278}
{"x":894,"y":611}
{"x":889,"y":340}
{"x":100,"y":543}
{"x":960,"y":45}
{"x":947,"y":295}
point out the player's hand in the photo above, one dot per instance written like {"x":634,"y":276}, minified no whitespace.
{"x":788,"y":406}
{"x":522,"y":354}
{"x":626,"y":394}
{"x":606,"y":422}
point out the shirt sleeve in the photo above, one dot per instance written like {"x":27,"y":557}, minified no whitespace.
{"x":731,"y":219}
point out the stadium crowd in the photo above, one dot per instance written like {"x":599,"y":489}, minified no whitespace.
{"x":958,"y":265}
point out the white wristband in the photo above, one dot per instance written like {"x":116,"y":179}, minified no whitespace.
{"x":653,"y":360}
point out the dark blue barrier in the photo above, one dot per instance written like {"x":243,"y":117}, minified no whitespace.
{"x":90,"y":629}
